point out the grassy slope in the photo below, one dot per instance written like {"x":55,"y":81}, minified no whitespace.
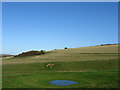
{"x":73,"y":54}
{"x":91,"y":69}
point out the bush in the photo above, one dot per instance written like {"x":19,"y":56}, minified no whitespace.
{"x":65,"y":47}
{"x":30,"y":53}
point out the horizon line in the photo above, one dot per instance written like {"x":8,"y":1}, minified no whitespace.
{"x":62,"y":48}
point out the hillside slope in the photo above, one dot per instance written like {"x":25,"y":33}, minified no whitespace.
{"x":72,"y":54}
{"x":91,"y":67}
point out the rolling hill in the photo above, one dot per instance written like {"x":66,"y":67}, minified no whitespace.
{"x":91,"y":67}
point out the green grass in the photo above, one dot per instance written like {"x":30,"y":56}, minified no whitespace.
{"x":91,"y":67}
{"x":97,"y":79}
{"x":61,"y":66}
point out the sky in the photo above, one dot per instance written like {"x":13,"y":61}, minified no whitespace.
{"x":54,"y":25}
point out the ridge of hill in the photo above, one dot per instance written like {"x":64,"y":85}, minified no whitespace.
{"x":71,"y":54}
{"x":5,"y":55}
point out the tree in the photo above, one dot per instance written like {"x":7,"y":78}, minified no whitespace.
{"x":65,"y":47}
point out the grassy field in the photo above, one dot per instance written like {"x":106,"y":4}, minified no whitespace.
{"x":91,"y":67}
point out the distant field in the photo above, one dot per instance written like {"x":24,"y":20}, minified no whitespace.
{"x":91,"y":67}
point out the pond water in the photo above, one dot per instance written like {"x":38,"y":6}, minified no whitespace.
{"x":63,"y":82}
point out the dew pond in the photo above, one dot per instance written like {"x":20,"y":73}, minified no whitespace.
{"x":62,"y":82}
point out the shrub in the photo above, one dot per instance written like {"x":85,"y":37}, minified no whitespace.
{"x":30,"y":53}
{"x":65,"y":47}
